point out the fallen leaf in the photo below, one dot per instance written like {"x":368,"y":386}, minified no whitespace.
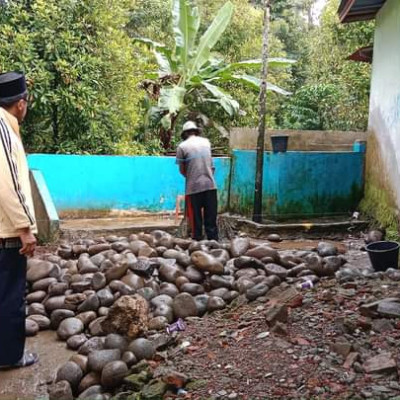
{"x":211,"y":355}
{"x":192,"y":349}
{"x":301,"y":341}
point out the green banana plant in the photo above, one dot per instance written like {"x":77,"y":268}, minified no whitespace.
{"x":191,"y":69}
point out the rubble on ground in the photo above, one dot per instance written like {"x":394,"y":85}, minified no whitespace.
{"x":111,"y":299}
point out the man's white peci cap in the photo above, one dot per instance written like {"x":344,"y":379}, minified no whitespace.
{"x":190,"y":126}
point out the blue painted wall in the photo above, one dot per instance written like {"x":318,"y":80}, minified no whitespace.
{"x":295,"y":183}
{"x":299,"y":183}
{"x":117,"y":182}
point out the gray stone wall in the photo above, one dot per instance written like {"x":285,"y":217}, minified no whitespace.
{"x":246,"y":139}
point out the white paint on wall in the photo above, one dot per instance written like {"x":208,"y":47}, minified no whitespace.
{"x":384,"y":118}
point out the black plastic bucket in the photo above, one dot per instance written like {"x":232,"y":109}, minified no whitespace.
{"x":383,"y":255}
{"x":279,"y":143}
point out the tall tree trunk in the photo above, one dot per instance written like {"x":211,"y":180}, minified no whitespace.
{"x":54,"y":124}
{"x":257,"y":211}
{"x":54,"y":114}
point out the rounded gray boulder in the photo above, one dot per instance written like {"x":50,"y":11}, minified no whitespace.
{"x":184,"y":306}
{"x":97,"y":360}
{"x":142,"y":349}
{"x":70,"y":372}
{"x":70,"y":327}
{"x":113,"y":374}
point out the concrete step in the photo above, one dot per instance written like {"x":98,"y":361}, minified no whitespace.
{"x":72,"y":229}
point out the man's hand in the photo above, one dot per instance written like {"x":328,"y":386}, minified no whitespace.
{"x":28,"y":242}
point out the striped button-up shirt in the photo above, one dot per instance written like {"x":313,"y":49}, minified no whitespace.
{"x":16,"y":204}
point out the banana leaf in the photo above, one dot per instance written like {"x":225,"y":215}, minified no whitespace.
{"x":165,"y":59}
{"x":230,"y":105}
{"x":186,"y":23}
{"x":172,"y":99}
{"x":251,"y":82}
{"x":211,"y":37}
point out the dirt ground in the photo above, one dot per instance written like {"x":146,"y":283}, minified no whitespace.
{"x":30,"y":383}
{"x":234,"y":354}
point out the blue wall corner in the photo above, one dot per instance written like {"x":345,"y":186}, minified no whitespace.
{"x":360,"y":146}
{"x":45,"y":195}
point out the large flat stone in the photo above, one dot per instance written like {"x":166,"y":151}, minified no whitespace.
{"x":371,"y":309}
{"x":380,"y":364}
{"x":389,"y":309}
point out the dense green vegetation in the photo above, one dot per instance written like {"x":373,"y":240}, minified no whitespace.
{"x":190,"y":78}
{"x":87,"y":74}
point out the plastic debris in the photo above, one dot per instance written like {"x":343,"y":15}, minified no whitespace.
{"x":263,"y":335}
{"x":308,"y":284}
{"x":177,"y":326}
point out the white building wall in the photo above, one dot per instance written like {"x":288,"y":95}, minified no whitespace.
{"x":384,"y":122}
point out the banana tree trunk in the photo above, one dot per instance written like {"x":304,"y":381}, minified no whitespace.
{"x":258,"y":190}
{"x":165,"y":137}
{"x":166,"y":134}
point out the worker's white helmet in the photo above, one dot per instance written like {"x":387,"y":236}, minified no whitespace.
{"x":190,"y":126}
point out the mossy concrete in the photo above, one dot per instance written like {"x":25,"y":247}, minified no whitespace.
{"x":379,"y":201}
{"x":299,"y":184}
{"x":382,"y":199}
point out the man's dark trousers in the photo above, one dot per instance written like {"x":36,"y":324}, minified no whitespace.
{"x":12,"y":305}
{"x":203,"y":203}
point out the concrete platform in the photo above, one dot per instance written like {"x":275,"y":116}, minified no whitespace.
{"x":333,"y":228}
{"x":72,"y":229}
{"x":312,"y":229}
{"x":30,"y":383}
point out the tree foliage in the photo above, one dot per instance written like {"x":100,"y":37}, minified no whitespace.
{"x":190,"y":74}
{"x":337,"y":89}
{"x":81,"y":71}
{"x":85,"y":70}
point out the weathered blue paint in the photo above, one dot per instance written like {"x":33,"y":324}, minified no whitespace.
{"x":295,"y":183}
{"x":360,"y":146}
{"x":298,"y":183}
{"x":147,"y":183}
{"x":47,"y":219}
{"x":43,"y":190}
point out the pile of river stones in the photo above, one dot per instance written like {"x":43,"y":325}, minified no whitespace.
{"x":111,"y":298}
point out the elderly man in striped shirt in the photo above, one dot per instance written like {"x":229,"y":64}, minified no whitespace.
{"x":17,"y":223}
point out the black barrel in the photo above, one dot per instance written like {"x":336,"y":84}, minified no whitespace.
{"x":279,"y":143}
{"x":383,"y":255}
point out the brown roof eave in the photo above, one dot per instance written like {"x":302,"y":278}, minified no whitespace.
{"x":364,"y":54}
{"x":358,"y":17}
{"x":344,"y":8}
{"x":356,"y":10}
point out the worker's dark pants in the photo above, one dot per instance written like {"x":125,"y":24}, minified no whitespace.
{"x":12,"y":305}
{"x":204,"y":204}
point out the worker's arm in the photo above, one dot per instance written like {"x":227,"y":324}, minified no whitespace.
{"x":12,"y":199}
{"x":211,"y":157}
{"x":182,"y":169}
{"x":180,"y":160}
